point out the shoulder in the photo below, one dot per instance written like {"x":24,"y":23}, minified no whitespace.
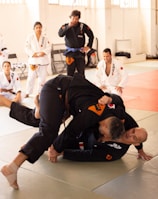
{"x":30,"y":36}
{"x":117,"y":62}
{"x":14,"y":76}
{"x":44,"y":36}
{"x":85,"y":26}
{"x":101,"y":63}
{"x":64,"y":25}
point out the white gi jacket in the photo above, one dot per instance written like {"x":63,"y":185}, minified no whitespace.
{"x":118,"y":76}
{"x":14,"y":84}
{"x":33,"y":45}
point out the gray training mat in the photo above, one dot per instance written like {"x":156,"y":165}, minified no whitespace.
{"x":139,"y":183}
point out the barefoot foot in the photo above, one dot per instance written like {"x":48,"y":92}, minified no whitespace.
{"x":10,"y":172}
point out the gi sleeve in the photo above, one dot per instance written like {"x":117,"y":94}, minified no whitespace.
{"x":63,"y":29}
{"x":116,"y":99}
{"x":123,"y":74}
{"x":139,"y":146}
{"x":89,"y":33}
{"x":28,"y":49}
{"x":102,"y":152}
{"x":87,"y":118}
{"x":17,"y":83}
{"x":129,"y":122}
{"x":99,"y":80}
{"x":47,"y":46}
{"x":84,"y":155}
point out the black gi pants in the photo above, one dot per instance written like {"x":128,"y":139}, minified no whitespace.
{"x":52,"y":108}
{"x":23,"y":114}
{"x":78,"y":64}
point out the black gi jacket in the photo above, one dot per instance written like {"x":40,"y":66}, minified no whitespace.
{"x":96,"y":151}
{"x":83,"y":97}
{"x":75,"y":36}
{"x":83,"y":100}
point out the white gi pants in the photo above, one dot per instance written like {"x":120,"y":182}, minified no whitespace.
{"x":41,"y":73}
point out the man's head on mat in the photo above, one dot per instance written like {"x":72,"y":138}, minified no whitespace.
{"x":134,"y":136}
{"x":112,"y":128}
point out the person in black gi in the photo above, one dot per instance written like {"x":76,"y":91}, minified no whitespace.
{"x":95,"y":147}
{"x":83,"y":105}
{"x":74,"y":33}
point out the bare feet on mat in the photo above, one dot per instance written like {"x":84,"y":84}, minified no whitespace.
{"x":10,"y":172}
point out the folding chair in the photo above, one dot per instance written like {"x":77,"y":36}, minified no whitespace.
{"x":58,"y":63}
{"x":15,"y":64}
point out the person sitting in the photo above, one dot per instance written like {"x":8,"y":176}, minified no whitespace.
{"x":10,"y":83}
{"x":111,"y":75}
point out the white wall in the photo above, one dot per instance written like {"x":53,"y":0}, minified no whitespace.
{"x":14,"y":25}
{"x":108,"y":24}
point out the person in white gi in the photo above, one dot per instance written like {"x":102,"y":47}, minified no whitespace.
{"x":38,"y":49}
{"x":3,"y":50}
{"x":111,"y":75}
{"x":10,"y":86}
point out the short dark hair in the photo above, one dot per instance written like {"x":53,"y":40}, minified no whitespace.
{"x":107,"y":50}
{"x":6,"y":62}
{"x":75,"y":13}
{"x":37,"y":23}
{"x":116,"y":128}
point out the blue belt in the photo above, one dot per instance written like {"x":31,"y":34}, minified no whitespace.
{"x":68,"y":49}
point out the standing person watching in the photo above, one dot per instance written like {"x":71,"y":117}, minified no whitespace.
{"x":111,"y":75}
{"x":37,"y":48}
{"x":74,"y":33}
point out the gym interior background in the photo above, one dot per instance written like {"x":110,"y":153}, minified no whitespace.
{"x":122,"y":25}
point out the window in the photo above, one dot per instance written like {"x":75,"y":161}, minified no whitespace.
{"x":11,"y":1}
{"x":125,"y":3}
{"x":69,"y":2}
{"x":53,"y":1}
